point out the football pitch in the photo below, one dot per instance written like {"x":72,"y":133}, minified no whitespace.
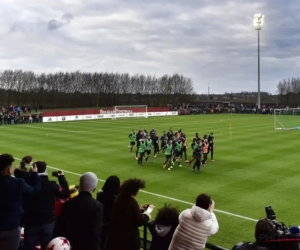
{"x":254,"y":166}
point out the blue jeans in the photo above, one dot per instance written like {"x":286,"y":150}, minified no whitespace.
{"x":33,"y":233}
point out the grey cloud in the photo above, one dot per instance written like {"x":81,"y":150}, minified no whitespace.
{"x":54,"y":24}
{"x":211,"y":41}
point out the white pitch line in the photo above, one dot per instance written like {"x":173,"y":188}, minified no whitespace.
{"x":163,"y":196}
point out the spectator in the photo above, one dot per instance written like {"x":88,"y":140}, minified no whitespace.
{"x":126,"y":218}
{"x":59,"y":202}
{"x":12,"y":192}
{"x":39,"y":213}
{"x":107,"y":196}
{"x":23,"y":170}
{"x":195,"y":225}
{"x":162,"y":229}
{"x":80,"y":220}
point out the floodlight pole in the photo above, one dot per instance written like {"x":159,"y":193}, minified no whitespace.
{"x":258,"y":70}
{"x":258,"y":23}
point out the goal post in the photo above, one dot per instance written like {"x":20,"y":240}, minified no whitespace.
{"x":132,"y":111}
{"x":287,"y":119}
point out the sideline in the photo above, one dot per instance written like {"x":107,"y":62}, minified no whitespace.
{"x":163,"y":196}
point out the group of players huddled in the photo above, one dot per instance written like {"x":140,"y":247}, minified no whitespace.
{"x":174,"y":147}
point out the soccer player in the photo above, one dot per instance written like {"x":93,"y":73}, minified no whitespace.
{"x":149,"y":146}
{"x":155,"y":144}
{"x":168,"y":153}
{"x":170,"y":134}
{"x":184,"y":146}
{"x":139,"y":136}
{"x":163,"y":141}
{"x":132,"y":138}
{"x":211,"y":146}
{"x":152,"y":133}
{"x":205,"y":146}
{"x":178,"y":148}
{"x":196,"y":138}
{"x":178,"y":134}
{"x":142,"y":148}
{"x":197,"y":155}
{"x":193,"y":146}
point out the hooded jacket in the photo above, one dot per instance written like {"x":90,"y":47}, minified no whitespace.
{"x":161,"y":235}
{"x":195,"y":225}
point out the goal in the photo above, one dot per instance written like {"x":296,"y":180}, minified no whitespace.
{"x":287,"y":119}
{"x":130,"y":111}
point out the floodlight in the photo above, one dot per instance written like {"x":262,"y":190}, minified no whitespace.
{"x":258,"y":21}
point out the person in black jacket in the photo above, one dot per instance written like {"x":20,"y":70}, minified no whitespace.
{"x":81,"y":217}
{"x":107,"y":196}
{"x":39,"y":216}
{"x":197,"y":154}
{"x":163,"y":228}
{"x":12,"y":192}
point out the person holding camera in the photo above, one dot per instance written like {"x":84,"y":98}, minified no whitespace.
{"x":195,"y":225}
{"x":39,"y":216}
{"x":12,"y":193}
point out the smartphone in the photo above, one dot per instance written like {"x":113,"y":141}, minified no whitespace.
{"x":55,"y":173}
{"x":150,"y":209}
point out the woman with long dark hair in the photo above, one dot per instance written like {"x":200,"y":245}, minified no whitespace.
{"x":107,"y":196}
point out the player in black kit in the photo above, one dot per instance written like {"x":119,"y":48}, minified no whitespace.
{"x":211,"y":146}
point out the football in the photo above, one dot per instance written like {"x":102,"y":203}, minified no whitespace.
{"x":59,"y":243}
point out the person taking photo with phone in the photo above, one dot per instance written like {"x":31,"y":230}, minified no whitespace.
{"x":39,"y":213}
{"x":195,"y":225}
{"x":126,"y":218}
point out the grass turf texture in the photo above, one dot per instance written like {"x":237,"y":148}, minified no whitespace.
{"x":258,"y":166}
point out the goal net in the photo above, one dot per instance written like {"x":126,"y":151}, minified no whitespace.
{"x":287,"y":119}
{"x":130,"y":111}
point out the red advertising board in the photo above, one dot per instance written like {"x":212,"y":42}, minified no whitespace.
{"x":74,"y":112}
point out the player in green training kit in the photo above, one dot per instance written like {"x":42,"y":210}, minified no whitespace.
{"x":132,"y":139}
{"x":168,"y":153}
{"x":178,"y":148}
{"x":142,"y":149}
{"x":149,"y":146}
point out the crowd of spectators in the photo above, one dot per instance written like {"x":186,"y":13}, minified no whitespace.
{"x":15,"y":114}
{"x":47,"y":210}
{"x":190,"y":109}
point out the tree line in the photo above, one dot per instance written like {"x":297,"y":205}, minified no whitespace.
{"x":80,"y":89}
{"x":289,"y":91}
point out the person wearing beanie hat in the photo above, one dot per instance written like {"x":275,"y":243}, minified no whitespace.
{"x":80,"y":219}
{"x":88,"y":182}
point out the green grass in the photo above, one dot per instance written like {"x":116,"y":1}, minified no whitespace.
{"x":255,"y":165}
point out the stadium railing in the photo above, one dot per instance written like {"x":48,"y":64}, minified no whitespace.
{"x":146,"y":243}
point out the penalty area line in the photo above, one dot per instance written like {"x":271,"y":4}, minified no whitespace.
{"x":162,"y":196}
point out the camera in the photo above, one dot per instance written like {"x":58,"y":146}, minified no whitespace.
{"x":279,"y":226}
{"x":56,"y":173}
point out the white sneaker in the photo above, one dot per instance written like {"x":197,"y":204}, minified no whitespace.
{"x":180,"y":166}
{"x":169,"y":168}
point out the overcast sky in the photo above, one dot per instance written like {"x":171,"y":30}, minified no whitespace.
{"x":211,"y":41}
